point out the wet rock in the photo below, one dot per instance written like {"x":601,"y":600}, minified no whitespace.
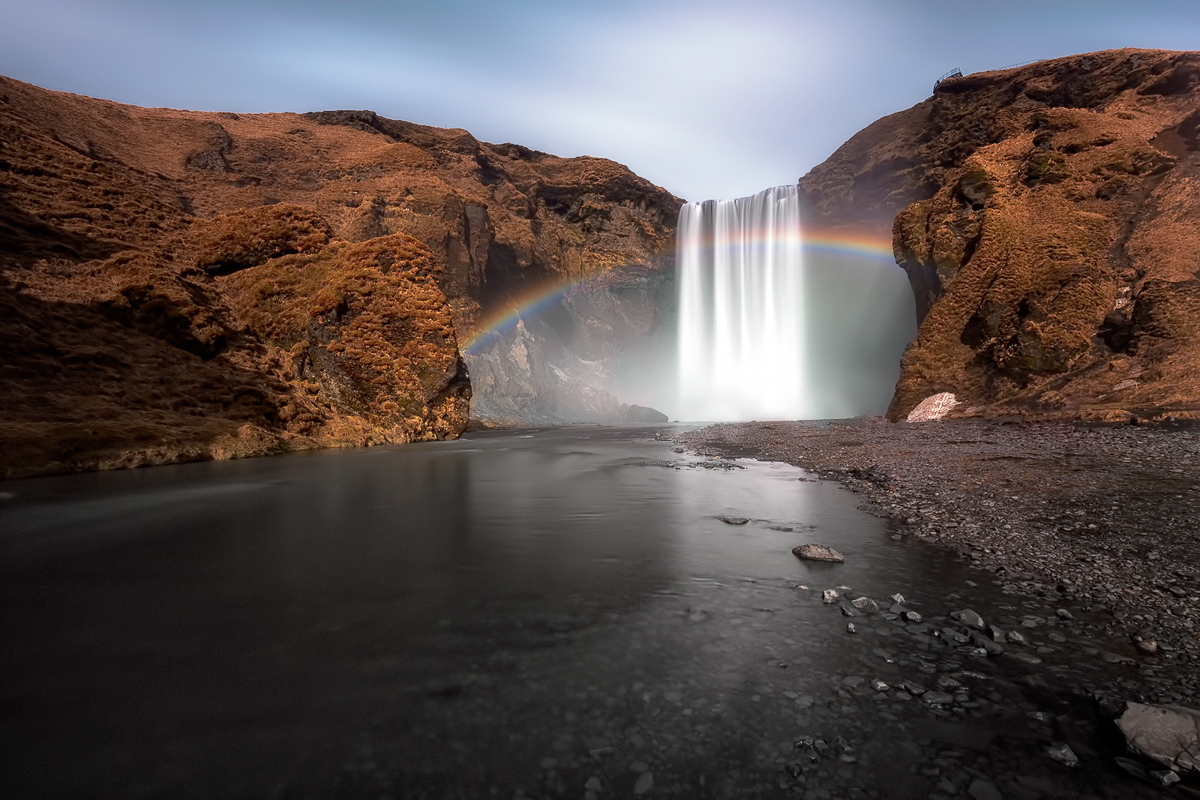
{"x":969,"y":618}
{"x":733,"y":520}
{"x":847,"y":611}
{"x":992,"y":647}
{"x":1017,"y":637}
{"x":1166,"y":777}
{"x":1147,"y":646}
{"x":1062,"y":613}
{"x":913,"y":688}
{"x":946,"y":682}
{"x":865,"y":604}
{"x":879,"y":685}
{"x":953,"y":636}
{"x":997,"y":634}
{"x":850,"y":628}
{"x":913,"y":617}
{"x":897,"y":598}
{"x":1169,"y":735}
{"x":817,"y":552}
{"x":983,"y":790}
{"x":936,"y":698}
{"x":1062,"y":754}
{"x":830,"y":596}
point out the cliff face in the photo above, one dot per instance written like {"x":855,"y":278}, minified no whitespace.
{"x":178,"y":285}
{"x":1048,"y":218}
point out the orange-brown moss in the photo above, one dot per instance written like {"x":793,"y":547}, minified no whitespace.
{"x":366,"y":328}
{"x":128,"y":237}
{"x":1054,"y":258}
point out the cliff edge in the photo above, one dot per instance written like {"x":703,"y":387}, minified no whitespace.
{"x":179,"y":285}
{"x":1048,"y":218}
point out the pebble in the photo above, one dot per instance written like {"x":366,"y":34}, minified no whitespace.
{"x":1063,"y":754}
{"x":733,"y":520}
{"x":983,"y":790}
{"x":644,"y":783}
{"x":969,"y":618}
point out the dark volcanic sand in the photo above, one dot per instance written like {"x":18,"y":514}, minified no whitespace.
{"x":1099,"y":519}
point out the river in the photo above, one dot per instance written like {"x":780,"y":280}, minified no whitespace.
{"x":554,"y":613}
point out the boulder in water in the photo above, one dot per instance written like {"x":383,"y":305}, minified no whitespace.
{"x":817,"y":552}
{"x":634,"y":413}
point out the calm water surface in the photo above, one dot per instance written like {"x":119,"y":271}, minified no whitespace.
{"x":558,"y":613}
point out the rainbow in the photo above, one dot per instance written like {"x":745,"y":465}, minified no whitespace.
{"x":836,"y":242}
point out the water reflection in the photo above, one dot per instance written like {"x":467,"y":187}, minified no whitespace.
{"x":506,"y":615}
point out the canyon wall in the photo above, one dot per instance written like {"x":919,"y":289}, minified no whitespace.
{"x":1048,"y":218}
{"x":181,"y":285}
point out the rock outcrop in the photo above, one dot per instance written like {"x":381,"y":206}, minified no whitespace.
{"x":182,"y":285}
{"x":1048,"y":218}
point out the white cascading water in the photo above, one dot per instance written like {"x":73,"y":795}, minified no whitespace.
{"x":741,"y":308}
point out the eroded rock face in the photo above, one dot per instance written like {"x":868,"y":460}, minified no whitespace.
{"x":1047,"y":218}
{"x":179,"y":285}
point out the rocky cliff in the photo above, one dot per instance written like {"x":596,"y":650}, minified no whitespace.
{"x":178,"y":285}
{"x":1048,"y":218}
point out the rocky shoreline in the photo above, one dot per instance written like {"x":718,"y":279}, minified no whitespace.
{"x":1099,"y":520}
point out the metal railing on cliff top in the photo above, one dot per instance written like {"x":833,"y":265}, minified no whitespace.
{"x":958,"y":73}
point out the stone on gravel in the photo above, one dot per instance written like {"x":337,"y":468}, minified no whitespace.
{"x":830,"y":596}
{"x":817,"y":552}
{"x":733,"y":520}
{"x":969,"y":618}
{"x":1169,"y":735}
{"x":897,"y":598}
{"x":938,"y":698}
{"x":1063,"y":754}
{"x":850,"y":628}
{"x":933,"y":407}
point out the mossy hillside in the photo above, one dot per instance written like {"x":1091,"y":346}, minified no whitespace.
{"x":365,"y":325}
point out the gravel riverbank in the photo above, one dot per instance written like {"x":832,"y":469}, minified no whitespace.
{"x":1102,"y":519}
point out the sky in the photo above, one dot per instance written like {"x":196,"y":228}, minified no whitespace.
{"x":706,"y":99}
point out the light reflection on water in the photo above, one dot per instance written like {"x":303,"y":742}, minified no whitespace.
{"x":449,"y":618}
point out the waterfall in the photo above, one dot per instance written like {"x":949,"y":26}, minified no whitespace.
{"x":741,"y":309}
